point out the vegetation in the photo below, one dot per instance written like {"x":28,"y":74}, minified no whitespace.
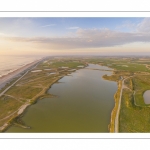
{"x":8,"y":105}
{"x":129,"y":83}
{"x":33,"y":86}
{"x":134,"y":113}
{"x":133,"y":118}
{"x":114,"y":111}
{"x":112,"y":77}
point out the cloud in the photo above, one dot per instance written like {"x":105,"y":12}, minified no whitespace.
{"x":87,"y":38}
{"x":127,"y":25}
{"x":3,"y":34}
{"x":73,"y":28}
{"x":144,"y":26}
{"x":17,"y":26}
{"x":49,"y":25}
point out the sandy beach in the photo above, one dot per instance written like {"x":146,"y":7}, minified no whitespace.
{"x":9,"y":77}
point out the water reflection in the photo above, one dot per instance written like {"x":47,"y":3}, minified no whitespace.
{"x":147,"y":97}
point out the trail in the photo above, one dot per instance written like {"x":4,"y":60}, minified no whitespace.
{"x":21,"y":109}
{"x":119,"y":105}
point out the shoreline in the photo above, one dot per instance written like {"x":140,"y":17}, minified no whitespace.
{"x":111,"y":125}
{"x":6,"y":79}
{"x":23,"y":108}
{"x":114,"y":111}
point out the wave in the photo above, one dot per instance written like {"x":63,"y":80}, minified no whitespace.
{"x":9,"y":64}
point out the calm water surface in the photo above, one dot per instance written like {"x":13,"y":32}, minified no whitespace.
{"x":84,"y":104}
{"x":147,"y":97}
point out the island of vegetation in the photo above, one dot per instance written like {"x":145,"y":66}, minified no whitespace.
{"x":132,"y":74}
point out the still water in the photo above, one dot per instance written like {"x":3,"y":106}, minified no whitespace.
{"x":146,"y":96}
{"x":84,"y":104}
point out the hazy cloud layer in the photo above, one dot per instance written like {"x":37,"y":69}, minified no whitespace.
{"x":49,"y":25}
{"x":88,"y":38}
{"x":91,"y":38}
{"x":73,"y":28}
{"x":144,"y":26}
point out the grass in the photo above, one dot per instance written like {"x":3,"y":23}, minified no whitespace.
{"x":112,"y":77}
{"x":8,"y":105}
{"x":140,"y":85}
{"x":114,"y":111}
{"x":129,"y":83}
{"x":134,"y":113}
{"x":121,"y":64}
{"x":131,"y":67}
{"x":25,"y":92}
{"x":66,"y":64}
{"x":133,"y":118}
{"x":33,"y":86}
{"x":8,"y":84}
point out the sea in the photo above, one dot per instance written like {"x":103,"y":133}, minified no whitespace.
{"x":9,"y":63}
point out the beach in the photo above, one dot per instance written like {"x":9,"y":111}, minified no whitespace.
{"x":10,"y":76}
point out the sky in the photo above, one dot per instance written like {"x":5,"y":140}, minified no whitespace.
{"x":75,"y":36}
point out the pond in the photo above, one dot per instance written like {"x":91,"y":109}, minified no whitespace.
{"x":146,"y":96}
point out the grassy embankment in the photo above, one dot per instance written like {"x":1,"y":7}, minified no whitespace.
{"x":114,"y":77}
{"x":134,"y":113}
{"x":31,"y":87}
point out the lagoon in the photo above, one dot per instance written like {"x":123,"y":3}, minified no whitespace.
{"x":84,"y":103}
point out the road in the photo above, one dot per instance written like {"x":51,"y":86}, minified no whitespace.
{"x":119,"y":105}
{"x":21,"y":109}
{"x":12,"y":84}
{"x":2,"y":93}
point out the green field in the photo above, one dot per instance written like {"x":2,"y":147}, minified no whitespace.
{"x":134,"y":113}
{"x":133,"y":118}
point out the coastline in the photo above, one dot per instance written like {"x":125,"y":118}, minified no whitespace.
{"x":7,"y":79}
{"x":111,"y":126}
{"x":20,"y":112}
{"x":114,"y":111}
{"x":16,"y":73}
{"x":45,"y":95}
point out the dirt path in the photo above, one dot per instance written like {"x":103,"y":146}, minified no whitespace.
{"x":9,"y":77}
{"x":13,"y":98}
{"x":119,"y":105}
{"x":23,"y":107}
{"x":147,"y":66}
{"x":20,"y":110}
